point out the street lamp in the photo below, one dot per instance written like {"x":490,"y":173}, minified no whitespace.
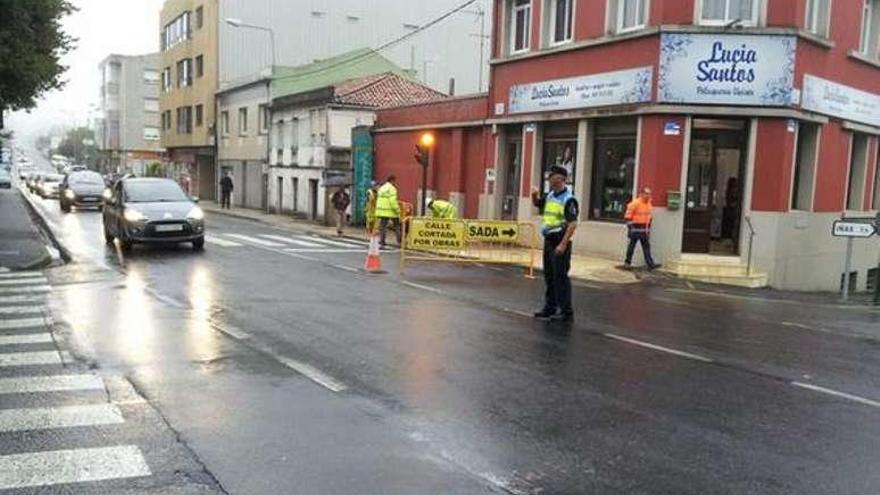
{"x":423,"y":157}
{"x":238,"y":23}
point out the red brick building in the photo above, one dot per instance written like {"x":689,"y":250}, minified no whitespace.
{"x":735,"y":112}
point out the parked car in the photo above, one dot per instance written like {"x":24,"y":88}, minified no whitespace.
{"x":151,"y":210}
{"x":81,"y":189}
{"x":47,"y":185}
{"x":5,"y":180}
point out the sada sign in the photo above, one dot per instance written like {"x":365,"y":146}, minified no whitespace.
{"x":727,"y":69}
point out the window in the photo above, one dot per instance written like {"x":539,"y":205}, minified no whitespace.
{"x":184,"y":73}
{"x":818,"y":14}
{"x":631,"y":14}
{"x":614,"y":165}
{"x":242,"y":121}
{"x":176,"y":31}
{"x":224,"y":123}
{"x":560,"y":150}
{"x":200,"y":115}
{"x":151,"y":76}
{"x":869,"y":43}
{"x":264,"y":119}
{"x":520,"y":25}
{"x":857,"y":167}
{"x":166,"y":120}
{"x":151,"y":105}
{"x":562,"y":15}
{"x":200,"y":17}
{"x":151,"y":133}
{"x":166,"y":79}
{"x":727,"y":11}
{"x":805,"y":167}
{"x":184,"y":120}
{"x":200,"y":66}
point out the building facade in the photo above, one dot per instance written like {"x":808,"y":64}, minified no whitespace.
{"x":128,"y":120}
{"x":755,"y":123}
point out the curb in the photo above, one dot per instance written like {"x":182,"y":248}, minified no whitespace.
{"x":43,"y":225}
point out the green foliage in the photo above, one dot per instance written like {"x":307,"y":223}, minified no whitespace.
{"x":154,"y":170}
{"x":31,"y":46}
{"x":79,"y":145}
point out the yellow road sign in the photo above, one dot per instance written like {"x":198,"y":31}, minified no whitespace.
{"x":428,"y":233}
{"x":492,"y":231}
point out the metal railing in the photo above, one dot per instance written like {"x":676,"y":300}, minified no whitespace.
{"x":751,"y":245}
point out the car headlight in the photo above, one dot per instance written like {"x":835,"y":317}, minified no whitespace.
{"x":134,"y":215}
{"x":107,"y":194}
{"x":69,"y":194}
{"x":195,"y":214}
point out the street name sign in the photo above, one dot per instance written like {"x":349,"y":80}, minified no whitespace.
{"x":492,"y":231}
{"x":853,"y":229}
{"x":427,"y":233}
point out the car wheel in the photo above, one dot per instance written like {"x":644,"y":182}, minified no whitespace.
{"x":65,"y":208}
{"x":199,"y":244}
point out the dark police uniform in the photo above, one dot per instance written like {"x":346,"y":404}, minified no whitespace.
{"x":558,"y":210}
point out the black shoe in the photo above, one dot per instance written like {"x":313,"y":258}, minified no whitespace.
{"x":626,"y":266}
{"x":544,"y":314}
{"x":562,"y":317}
{"x":655,"y":266}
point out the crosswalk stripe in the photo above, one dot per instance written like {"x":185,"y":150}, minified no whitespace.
{"x":22,"y":310}
{"x":59,"y":383}
{"x":21,"y":299}
{"x":345,"y":244}
{"x":59,"y":417}
{"x":25,"y":323}
{"x":28,"y":338}
{"x":296,"y":242}
{"x":253,"y":240}
{"x":71,"y":466}
{"x":324,"y":250}
{"x":29,"y":358}
{"x":210,"y":239}
{"x":24,"y":281}
{"x":20,"y":275}
{"x":24,"y":290}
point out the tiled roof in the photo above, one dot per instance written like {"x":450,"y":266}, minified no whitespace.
{"x":383,"y":90}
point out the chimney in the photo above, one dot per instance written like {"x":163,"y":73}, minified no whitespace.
{"x":451,"y":86}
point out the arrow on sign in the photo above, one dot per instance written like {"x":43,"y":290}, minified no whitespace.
{"x":509,"y":232}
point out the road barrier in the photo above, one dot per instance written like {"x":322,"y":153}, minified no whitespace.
{"x":470,"y":241}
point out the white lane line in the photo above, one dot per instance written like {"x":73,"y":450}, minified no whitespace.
{"x":295,"y":242}
{"x":29,"y":358}
{"x":60,"y":383}
{"x":329,"y":242}
{"x":9,"y":275}
{"x":59,"y":417}
{"x":28,"y":338}
{"x":346,"y":268}
{"x":835,"y":393}
{"x":42,"y":321}
{"x":659,"y":348}
{"x":37,"y":289}
{"x":23,"y":310}
{"x":22,"y":299}
{"x":24,"y":281}
{"x":313,"y":374}
{"x":220,"y":242}
{"x":325,"y":250}
{"x":421,"y":287}
{"x":253,"y":240}
{"x":71,"y":466}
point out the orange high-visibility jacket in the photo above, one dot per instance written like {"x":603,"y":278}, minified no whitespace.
{"x":639,"y":212}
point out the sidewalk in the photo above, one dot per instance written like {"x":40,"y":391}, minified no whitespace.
{"x":582,"y":267}
{"x":21,"y":245}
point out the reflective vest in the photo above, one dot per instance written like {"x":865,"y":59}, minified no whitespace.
{"x":638,"y":212}
{"x":553,"y":219}
{"x":443,"y":209}
{"x":386,"y":204}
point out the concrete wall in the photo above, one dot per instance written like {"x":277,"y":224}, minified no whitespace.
{"x":252,"y":145}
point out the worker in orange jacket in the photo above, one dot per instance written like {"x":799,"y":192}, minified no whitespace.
{"x":638,"y":221}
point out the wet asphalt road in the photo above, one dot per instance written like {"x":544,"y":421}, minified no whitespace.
{"x":287,"y":371}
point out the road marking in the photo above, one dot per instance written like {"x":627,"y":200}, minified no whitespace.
{"x":422,"y":287}
{"x":59,"y":417}
{"x":346,"y":268}
{"x":38,"y":289}
{"x":24,"y":281}
{"x":9,"y":275}
{"x":296,"y":242}
{"x":658,"y":348}
{"x":42,"y":321}
{"x":21,"y":299}
{"x":325,"y":250}
{"x":22,"y":310}
{"x":71,"y":466}
{"x":835,"y":393}
{"x":28,"y":338}
{"x":337,"y":243}
{"x":313,"y":374}
{"x":29,"y":358}
{"x":220,"y":242}
{"x":253,"y":240}
{"x":60,"y":383}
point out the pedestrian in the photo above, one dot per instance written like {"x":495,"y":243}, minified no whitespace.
{"x":370,"y":207}
{"x":388,"y":209}
{"x":226,"y":188}
{"x":340,"y":200}
{"x":440,"y":208}
{"x":559,"y":215}
{"x":638,"y":216}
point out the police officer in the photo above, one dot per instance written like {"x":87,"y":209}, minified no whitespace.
{"x":559,"y":214}
{"x":440,"y":208}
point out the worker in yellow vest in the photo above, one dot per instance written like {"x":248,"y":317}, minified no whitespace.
{"x":370,"y":207}
{"x":440,"y":208}
{"x":388,"y":209}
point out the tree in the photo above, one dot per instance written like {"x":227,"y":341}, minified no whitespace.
{"x":31,"y":46}
{"x":79,"y":145}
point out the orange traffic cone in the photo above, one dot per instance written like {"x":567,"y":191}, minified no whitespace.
{"x":374,"y":262}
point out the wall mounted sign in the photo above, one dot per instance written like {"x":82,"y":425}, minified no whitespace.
{"x":831,"y":98}
{"x":672,"y":129}
{"x":609,"y":88}
{"x":728,"y":69}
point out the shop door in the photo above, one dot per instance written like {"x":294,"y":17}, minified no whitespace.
{"x":510,"y":198}
{"x":713,"y":207}
{"x":313,"y":199}
{"x":279,"y":192}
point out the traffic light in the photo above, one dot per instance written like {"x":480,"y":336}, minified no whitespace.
{"x":423,"y":149}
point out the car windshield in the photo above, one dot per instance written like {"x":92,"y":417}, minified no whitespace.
{"x":86,"y":179}
{"x":164,"y":191}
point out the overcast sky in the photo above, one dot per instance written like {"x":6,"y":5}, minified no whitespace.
{"x":127,"y":27}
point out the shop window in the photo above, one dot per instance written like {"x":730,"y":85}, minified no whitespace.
{"x":614,"y":163}
{"x":869,"y":43}
{"x":560,"y":150}
{"x":561,"y":21}
{"x":818,"y":15}
{"x":805,"y":167}
{"x":629,"y":15}
{"x":520,"y":25}
{"x":857,"y":168}
{"x":722,"y":12}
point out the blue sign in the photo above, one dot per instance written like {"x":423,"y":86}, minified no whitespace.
{"x":728,"y":69}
